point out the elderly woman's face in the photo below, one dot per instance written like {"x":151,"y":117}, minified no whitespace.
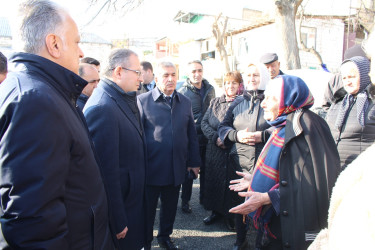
{"x":252,"y":78}
{"x":271,"y":101}
{"x":350,"y":77}
{"x":231,"y":87}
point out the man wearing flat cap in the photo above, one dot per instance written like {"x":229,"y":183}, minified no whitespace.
{"x":271,"y":60}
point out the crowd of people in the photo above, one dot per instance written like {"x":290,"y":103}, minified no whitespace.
{"x":87,"y":153}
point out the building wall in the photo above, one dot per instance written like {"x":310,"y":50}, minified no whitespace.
{"x":328,"y":41}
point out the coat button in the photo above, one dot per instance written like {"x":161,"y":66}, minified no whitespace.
{"x":287,"y":245}
{"x":284,"y":183}
{"x":285,"y":213}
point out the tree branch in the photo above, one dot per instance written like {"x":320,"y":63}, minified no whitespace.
{"x":303,"y":46}
{"x":100,"y":10}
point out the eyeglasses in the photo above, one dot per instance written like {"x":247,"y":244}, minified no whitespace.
{"x":139,"y":73}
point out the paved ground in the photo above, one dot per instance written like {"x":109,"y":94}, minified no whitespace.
{"x":190,"y":233}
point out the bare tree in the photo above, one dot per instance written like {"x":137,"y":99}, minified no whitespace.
{"x":285,"y":23}
{"x":219,"y":30}
{"x":113,"y":6}
{"x":302,"y":44}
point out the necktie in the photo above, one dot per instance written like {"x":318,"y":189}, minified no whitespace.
{"x":168,"y":100}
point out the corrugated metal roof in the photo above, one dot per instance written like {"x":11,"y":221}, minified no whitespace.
{"x":5,"y":30}
{"x":92,"y":38}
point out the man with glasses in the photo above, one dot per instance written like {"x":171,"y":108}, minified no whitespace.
{"x":91,"y":75}
{"x":115,"y":127}
{"x":172,"y":149}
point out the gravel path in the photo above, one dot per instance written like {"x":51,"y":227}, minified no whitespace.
{"x":190,"y":233}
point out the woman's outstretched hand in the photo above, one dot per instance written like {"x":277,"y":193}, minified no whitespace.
{"x":240,"y":184}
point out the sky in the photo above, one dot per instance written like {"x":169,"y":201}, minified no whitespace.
{"x":153,"y":18}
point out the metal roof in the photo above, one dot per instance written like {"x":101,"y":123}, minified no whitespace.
{"x":92,"y":38}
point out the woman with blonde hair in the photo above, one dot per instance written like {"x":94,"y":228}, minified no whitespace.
{"x":244,"y":132}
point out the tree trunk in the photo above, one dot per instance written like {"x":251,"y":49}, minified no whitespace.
{"x":286,"y":28}
{"x":219,"y":34}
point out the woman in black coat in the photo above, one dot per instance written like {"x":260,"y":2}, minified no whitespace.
{"x":290,"y":188}
{"x":244,"y":131}
{"x":216,"y":152}
{"x":352,"y":119}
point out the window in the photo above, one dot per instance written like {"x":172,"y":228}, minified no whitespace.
{"x":242,"y":46}
{"x":308,"y":36}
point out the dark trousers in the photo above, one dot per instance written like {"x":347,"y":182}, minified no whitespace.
{"x":265,"y":242}
{"x":168,"y":207}
{"x":241,"y":229}
{"x":187,"y":186}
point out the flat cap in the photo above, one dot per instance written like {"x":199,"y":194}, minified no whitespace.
{"x":268,"y":58}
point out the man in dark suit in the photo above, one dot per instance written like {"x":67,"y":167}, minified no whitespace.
{"x":148,"y":78}
{"x":114,"y":124}
{"x":91,"y":75}
{"x":172,"y":148}
{"x":52,"y":194}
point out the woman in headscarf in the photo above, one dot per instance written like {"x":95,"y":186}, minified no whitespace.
{"x":216,"y":152}
{"x":352,"y":119}
{"x":289,"y":191}
{"x":244,"y":132}
{"x":352,"y":192}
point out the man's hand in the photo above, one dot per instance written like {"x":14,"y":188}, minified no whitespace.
{"x":249,"y":138}
{"x":122,"y":234}
{"x":255,"y":201}
{"x":195,"y":170}
{"x":240,"y":184}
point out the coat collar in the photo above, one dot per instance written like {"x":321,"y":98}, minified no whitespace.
{"x":119,"y":99}
{"x":157,"y":94}
{"x":293,"y":126}
{"x":205,"y":85}
{"x":83,"y":97}
{"x":258,"y":94}
{"x":64,"y":80}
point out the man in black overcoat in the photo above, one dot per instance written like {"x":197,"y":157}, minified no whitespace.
{"x":114,"y":124}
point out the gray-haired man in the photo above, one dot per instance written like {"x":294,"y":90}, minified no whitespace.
{"x":52,"y":194}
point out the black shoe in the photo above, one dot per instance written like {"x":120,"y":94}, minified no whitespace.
{"x":211,"y":219}
{"x":167,"y":244}
{"x":241,"y":246}
{"x":229,"y":222}
{"x":186,"y":207}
